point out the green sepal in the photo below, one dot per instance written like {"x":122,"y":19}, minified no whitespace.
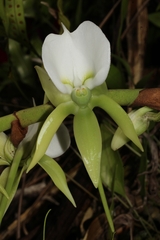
{"x":116,"y":112}
{"x":3,"y":162}
{"x":52,"y":93}
{"x":3,"y":191}
{"x":88,"y":138}
{"x":57,"y":175}
{"x":5,"y":202}
{"x":112,"y":172}
{"x":49,"y":128}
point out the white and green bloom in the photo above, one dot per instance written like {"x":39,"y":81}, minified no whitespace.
{"x":76,"y":66}
{"x":78,"y":58}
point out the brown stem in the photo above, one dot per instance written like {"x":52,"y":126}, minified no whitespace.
{"x":148,"y":97}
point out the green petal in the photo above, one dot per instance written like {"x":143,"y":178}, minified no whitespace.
{"x":49,"y":128}
{"x":117,"y":113}
{"x":89,"y":142}
{"x":57,"y":175}
{"x":53,"y":94}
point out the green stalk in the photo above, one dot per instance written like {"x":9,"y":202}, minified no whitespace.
{"x":124,"y":97}
{"x":105,"y":206}
{"x":26,"y":117}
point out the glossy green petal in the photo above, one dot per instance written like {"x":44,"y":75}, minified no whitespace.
{"x":116,"y":112}
{"x":53,"y":94}
{"x":89,"y":142}
{"x":49,"y":128}
{"x":57,"y":175}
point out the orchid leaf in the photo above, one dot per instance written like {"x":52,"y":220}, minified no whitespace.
{"x":155,"y":18}
{"x":57,"y":175}
{"x":88,"y":139}
{"x":61,"y":15}
{"x":17,"y":25}
{"x":112,"y":171}
{"x":3,"y":16}
{"x":49,"y":128}
{"x":117,"y":113}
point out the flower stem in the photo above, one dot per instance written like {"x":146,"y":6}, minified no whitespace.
{"x":26,"y":116}
{"x":105,"y":206}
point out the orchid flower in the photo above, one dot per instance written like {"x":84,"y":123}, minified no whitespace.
{"x":76,"y":66}
{"x":18,"y":158}
{"x":78,"y":58}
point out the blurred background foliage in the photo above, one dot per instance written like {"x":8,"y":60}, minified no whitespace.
{"x":133,"y":29}
{"x":24,"y":25}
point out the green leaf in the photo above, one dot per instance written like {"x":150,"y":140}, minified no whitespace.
{"x":155,"y":18}
{"x":49,"y":128}
{"x":23,"y":65}
{"x":124,"y":5}
{"x":57,"y":175}
{"x":117,"y":113}
{"x":115,"y":78}
{"x":124,"y":63}
{"x":61,"y":15}
{"x":17,"y":25}
{"x":88,"y":138}
{"x":112,"y":171}
{"x":4,"y":18}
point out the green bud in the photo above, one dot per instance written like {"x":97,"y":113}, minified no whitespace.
{"x":140,"y":123}
{"x":81,"y":96}
{"x":9,"y":150}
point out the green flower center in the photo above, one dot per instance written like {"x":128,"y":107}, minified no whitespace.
{"x":81,"y":96}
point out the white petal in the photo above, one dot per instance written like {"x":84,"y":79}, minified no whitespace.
{"x":77,"y":58}
{"x":59,"y":143}
{"x":32,"y":130}
{"x":94,"y":47}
